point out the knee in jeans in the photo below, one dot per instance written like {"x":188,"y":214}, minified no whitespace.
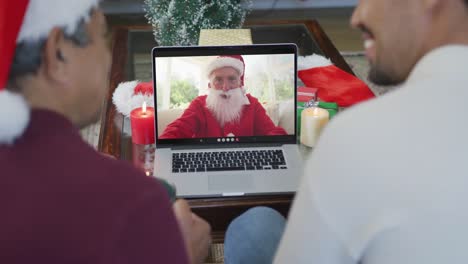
{"x":263,"y":212}
{"x":258,"y":216}
{"x":254,"y":236}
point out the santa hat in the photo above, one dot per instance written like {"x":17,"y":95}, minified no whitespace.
{"x":234,"y":61}
{"x":332,"y":83}
{"x":130,"y":95}
{"x":29,"y":20}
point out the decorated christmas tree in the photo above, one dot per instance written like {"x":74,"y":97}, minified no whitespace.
{"x":178,"y":22}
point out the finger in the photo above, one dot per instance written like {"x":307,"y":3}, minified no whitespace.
{"x":182,"y":209}
{"x":201,"y":224}
{"x":204,"y":230}
{"x":107,"y":155}
{"x":183,"y":215}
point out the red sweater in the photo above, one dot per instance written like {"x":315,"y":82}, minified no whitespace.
{"x":63,"y":202}
{"x":197,"y":121}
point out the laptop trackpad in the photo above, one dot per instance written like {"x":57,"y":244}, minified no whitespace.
{"x":230,"y":182}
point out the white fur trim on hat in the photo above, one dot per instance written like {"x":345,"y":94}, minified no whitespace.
{"x":43,"y":15}
{"x":225,"y":62}
{"x":14,"y":117}
{"x":125,"y":100}
{"x":312,"y":61}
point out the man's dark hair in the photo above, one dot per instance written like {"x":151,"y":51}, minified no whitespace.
{"x":466,"y":2}
{"x":28,"y":54}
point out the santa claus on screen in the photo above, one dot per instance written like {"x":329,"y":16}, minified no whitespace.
{"x":227,"y":110}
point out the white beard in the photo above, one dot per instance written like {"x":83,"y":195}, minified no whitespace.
{"x":226,"y":106}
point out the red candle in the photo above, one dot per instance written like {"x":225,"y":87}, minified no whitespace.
{"x":142,"y":122}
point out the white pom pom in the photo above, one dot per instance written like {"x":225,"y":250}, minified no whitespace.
{"x":125,"y":100}
{"x":312,"y":61}
{"x":122,"y":95}
{"x":14,"y":116}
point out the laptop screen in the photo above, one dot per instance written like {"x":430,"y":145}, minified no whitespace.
{"x":225,"y":95}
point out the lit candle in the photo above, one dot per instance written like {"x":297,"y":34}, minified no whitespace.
{"x":142,"y":122}
{"x":313,"y":120}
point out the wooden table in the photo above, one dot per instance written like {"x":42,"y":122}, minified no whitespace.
{"x":131,"y":42}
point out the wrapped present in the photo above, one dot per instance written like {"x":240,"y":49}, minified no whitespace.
{"x":306,"y":94}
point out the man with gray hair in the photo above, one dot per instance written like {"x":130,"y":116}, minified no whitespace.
{"x":60,"y":200}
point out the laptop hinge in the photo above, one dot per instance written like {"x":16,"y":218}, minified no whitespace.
{"x":219,"y":146}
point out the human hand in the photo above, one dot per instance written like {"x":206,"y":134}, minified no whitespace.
{"x":195,"y":230}
{"x":107,"y":155}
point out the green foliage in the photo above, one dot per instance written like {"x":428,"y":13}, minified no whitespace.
{"x":283,"y":89}
{"x":178,"y":22}
{"x":182,"y":93}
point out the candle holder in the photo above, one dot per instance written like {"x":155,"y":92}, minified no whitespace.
{"x":143,"y":157}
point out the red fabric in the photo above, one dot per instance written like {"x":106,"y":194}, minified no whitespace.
{"x":63,"y":202}
{"x":198,"y":122}
{"x":11,"y":14}
{"x":336,"y":85}
{"x":306,"y":94}
{"x":145,"y":88}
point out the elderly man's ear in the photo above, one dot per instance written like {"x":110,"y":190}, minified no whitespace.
{"x":56,"y":66}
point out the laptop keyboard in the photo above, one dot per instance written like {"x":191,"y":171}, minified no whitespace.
{"x":228,"y":161}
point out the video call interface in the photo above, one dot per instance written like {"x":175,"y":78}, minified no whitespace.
{"x":208,"y":99}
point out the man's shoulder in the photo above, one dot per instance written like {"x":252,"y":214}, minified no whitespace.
{"x":367,"y":118}
{"x":96,"y":180}
{"x":252,"y":99}
{"x":118,"y":175}
{"x":117,"y":183}
{"x":77,"y":165}
{"x":199,"y":100}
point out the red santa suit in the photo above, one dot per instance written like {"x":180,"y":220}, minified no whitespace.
{"x":197,"y":121}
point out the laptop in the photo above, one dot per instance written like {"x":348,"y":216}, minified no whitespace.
{"x":226,"y":119}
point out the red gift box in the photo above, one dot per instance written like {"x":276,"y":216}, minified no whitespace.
{"x":306,"y":94}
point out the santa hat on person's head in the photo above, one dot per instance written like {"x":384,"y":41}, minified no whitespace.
{"x":130,"y":95}
{"x":234,"y":61}
{"x":22,"y":21}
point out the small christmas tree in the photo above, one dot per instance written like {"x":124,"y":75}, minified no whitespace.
{"x":178,"y":22}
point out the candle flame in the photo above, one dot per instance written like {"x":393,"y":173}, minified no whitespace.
{"x":144,"y":107}
{"x":316,"y":111}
